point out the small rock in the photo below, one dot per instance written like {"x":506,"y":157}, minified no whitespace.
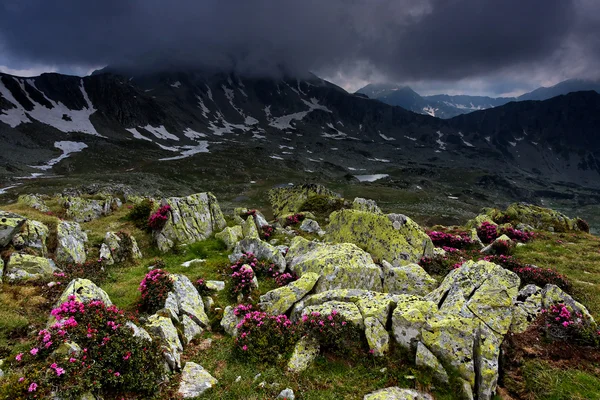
{"x":287,"y":394}
{"x":395,"y":393}
{"x":195,"y":380}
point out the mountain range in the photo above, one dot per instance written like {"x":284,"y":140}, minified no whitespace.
{"x":448,"y":106}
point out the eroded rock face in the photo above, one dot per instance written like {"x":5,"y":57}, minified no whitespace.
{"x":341,"y":266}
{"x":289,"y":200}
{"x":71,"y":243}
{"x":192,"y":218}
{"x":261,"y":250}
{"x":279,"y":301}
{"x":195,"y":380}
{"x":395,"y":237}
{"x":409,"y":279}
{"x":10,"y":225}
{"x":395,"y":393}
{"x":24,"y":267}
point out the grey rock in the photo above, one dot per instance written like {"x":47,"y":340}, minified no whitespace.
{"x":195,"y":380}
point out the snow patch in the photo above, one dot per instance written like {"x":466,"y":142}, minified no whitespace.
{"x":67,"y":148}
{"x":276,"y":157}
{"x":160,"y":132}
{"x":440,"y":142}
{"x":193,"y":134}
{"x":137,"y":135}
{"x":201,"y":147}
{"x":430,"y":110}
{"x":379,"y":160}
{"x":370,"y":178}
{"x":205,"y":109}
{"x":513,"y":144}
{"x":386,"y":137}
{"x":410,"y":138}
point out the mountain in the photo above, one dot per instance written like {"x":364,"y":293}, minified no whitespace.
{"x":177,"y":131}
{"x":447,"y":106}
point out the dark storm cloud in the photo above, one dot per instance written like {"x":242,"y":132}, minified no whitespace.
{"x":402,"y":40}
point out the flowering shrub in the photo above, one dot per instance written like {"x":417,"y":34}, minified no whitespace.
{"x":443,"y":239}
{"x":285,"y":278}
{"x":487,"y":232}
{"x":110,"y":360}
{"x":332,"y":332}
{"x":530,"y":274}
{"x":267,"y":231}
{"x":294,"y":219}
{"x":454,"y":258}
{"x":518,"y":235}
{"x":140,"y":213}
{"x":564,"y":324}
{"x":250,"y":213}
{"x":201,"y":287}
{"x":262,"y":337}
{"x":503,"y":247}
{"x":242,"y":281}
{"x":159,"y":218}
{"x":155,"y":287}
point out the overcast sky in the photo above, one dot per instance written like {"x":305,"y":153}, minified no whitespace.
{"x":488,"y":47}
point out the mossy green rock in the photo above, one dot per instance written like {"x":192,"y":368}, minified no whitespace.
{"x":395,"y":237}
{"x":347,"y":310}
{"x":85,"y":210}
{"x":341,"y":266}
{"x":192,"y":218}
{"x":537,"y":217}
{"x":478,"y":220}
{"x":396,"y":393}
{"x":249,"y":230}
{"x":552,"y":294}
{"x":487,"y":354}
{"x":377,"y":336}
{"x":84,"y":291}
{"x":165,"y":331}
{"x":34,"y":201}
{"x":195,"y":380}
{"x":1,"y":269}
{"x":409,"y":316}
{"x":408,"y":279}
{"x":280,"y":300}
{"x":71,"y":243}
{"x":26,"y":268}
{"x":230,"y":321}
{"x":290,"y":200}
{"x":191,"y":329}
{"x":305,"y":351}
{"x":10,"y":225}
{"x":230,"y":236}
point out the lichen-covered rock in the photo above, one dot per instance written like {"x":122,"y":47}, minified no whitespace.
{"x":1,"y":269}
{"x":24,"y":267}
{"x":552,"y":294}
{"x":119,"y":247}
{"x":347,"y":310}
{"x":138,"y":332}
{"x":10,"y":225}
{"x":190,"y":329}
{"x":68,"y":349}
{"x":408,"y":279}
{"x":217,"y":286}
{"x":395,"y":393}
{"x":526,"y":309}
{"x":305,"y":351}
{"x":409,"y":316}
{"x":289,"y":200}
{"x":367,"y":205}
{"x":540,"y":217}
{"x":195,"y":380}
{"x":33,"y":235}
{"x":394,"y":237}
{"x":84,"y":210}
{"x":280,"y":300}
{"x":249,"y":229}
{"x":425,"y":358}
{"x":230,"y":236}
{"x":261,"y":250}
{"x":34,"y":201}
{"x":342,"y":266}
{"x":71,"y":243}
{"x":106,"y":255}
{"x":311,"y":226}
{"x":377,"y":336}
{"x":189,"y":301}
{"x":478,"y":220}
{"x":166,"y":333}
{"x":487,"y":354}
{"x":84,"y":291}
{"x":230,"y":321}
{"x":192,"y":218}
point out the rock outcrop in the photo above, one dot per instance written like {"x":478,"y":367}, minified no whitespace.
{"x":119,"y":247}
{"x":261,"y":250}
{"x":289,"y":200}
{"x":71,"y":243}
{"x":25,"y":267}
{"x":191,"y":219}
{"x":10,"y":225}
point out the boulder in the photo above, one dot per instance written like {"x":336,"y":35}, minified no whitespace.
{"x":395,"y":393}
{"x":1,"y":269}
{"x":24,"y":267}
{"x":311,"y":226}
{"x":119,"y":247}
{"x":230,"y":321}
{"x":287,"y":394}
{"x":409,"y":279}
{"x":249,"y":230}
{"x":10,"y":225}
{"x":217,"y":286}
{"x":138,"y":332}
{"x":279,"y":301}
{"x":230,"y":236}
{"x":394,"y":237}
{"x":377,"y":336}
{"x":85,"y":210}
{"x":409,"y":316}
{"x":190,"y":329}
{"x":189,"y":301}
{"x":192,"y":218}
{"x":261,"y":250}
{"x":305,"y":351}
{"x":425,"y":358}
{"x":341,"y":266}
{"x":33,"y":235}
{"x":347,"y":310}
{"x":367,"y":205}
{"x":195,"y":380}
{"x":478,"y":220}
{"x":34,"y":201}
{"x":84,"y":291}
{"x":71,"y":243}
{"x":289,"y":200}
{"x":552,"y":294}
{"x":527,"y":308}
{"x":166,"y":333}
{"x":540,"y":218}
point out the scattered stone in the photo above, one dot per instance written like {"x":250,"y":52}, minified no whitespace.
{"x":215,"y":285}
{"x":195,"y":380}
{"x":287,"y":394}
{"x":261,"y":250}
{"x":34,"y":201}
{"x":24,"y":267}
{"x":279,"y":301}
{"x":409,"y":279}
{"x":190,"y":329}
{"x":395,"y":393}
{"x":311,"y":226}
{"x":71,"y":243}
{"x":166,"y":332}
{"x":230,"y":236}
{"x":192,"y":218}
{"x":341,"y":266}
{"x":305,"y":351}
{"x":10,"y":225}
{"x":189,"y":301}
{"x":367,"y":205}
{"x":394,"y":237}
{"x":194,"y":261}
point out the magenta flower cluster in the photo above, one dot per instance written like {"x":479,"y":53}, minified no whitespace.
{"x":155,"y":288}
{"x":159,"y":218}
{"x":487,"y":232}
{"x":518,"y":235}
{"x":294,"y":219}
{"x":443,"y":239}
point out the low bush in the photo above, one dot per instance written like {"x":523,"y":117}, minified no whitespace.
{"x":155,"y":288}
{"x":158,"y":220}
{"x":201,"y":287}
{"x":110,"y":361}
{"x":332,"y":331}
{"x":443,"y":239}
{"x":530,"y":274}
{"x":562,"y":323}
{"x":517,"y":235}
{"x":241,"y":279}
{"x":502,"y":247}
{"x":140,"y":213}
{"x":487,"y":232}
{"x":294,"y":219}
